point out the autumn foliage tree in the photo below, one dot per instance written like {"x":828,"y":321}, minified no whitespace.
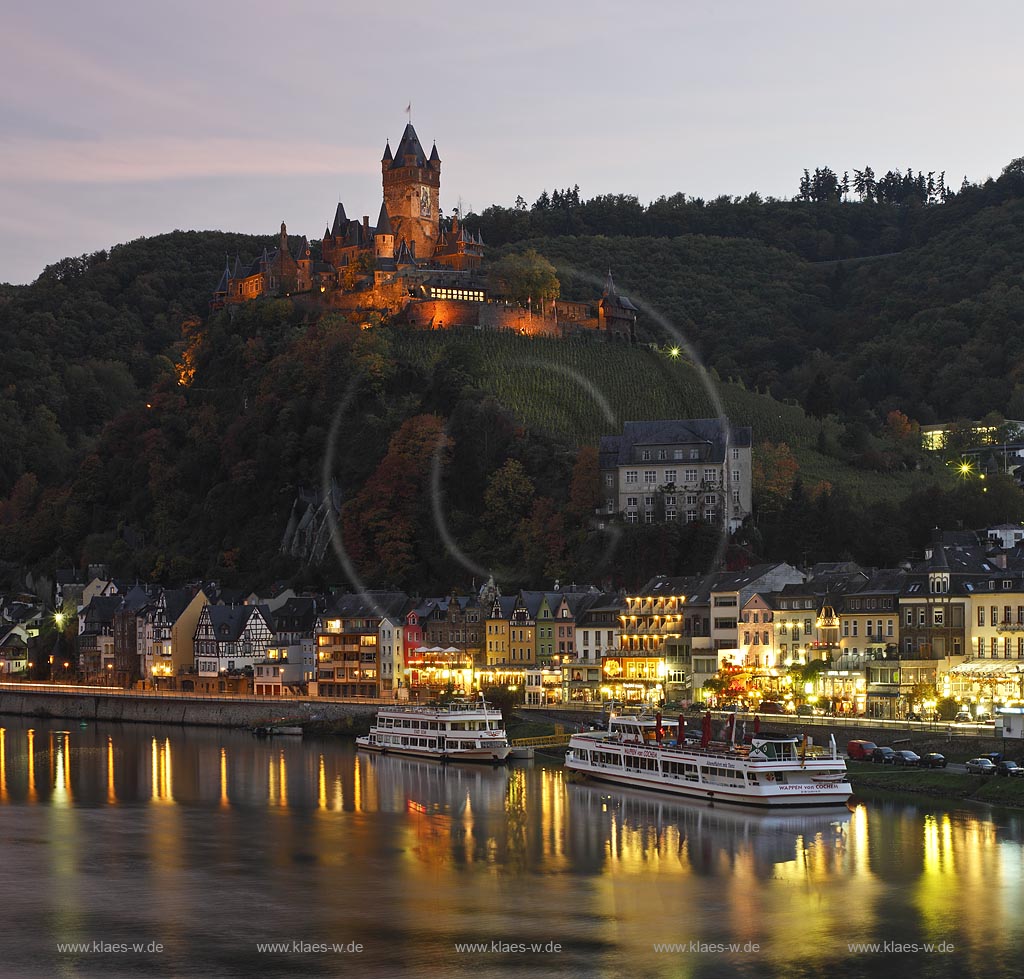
{"x":383,"y":522}
{"x":774,"y":472}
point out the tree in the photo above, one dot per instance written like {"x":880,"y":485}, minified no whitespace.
{"x":774,"y":472}
{"x":524,"y":276}
{"x":584,"y":491}
{"x":507,"y":500}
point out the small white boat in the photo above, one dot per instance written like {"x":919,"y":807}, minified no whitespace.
{"x":775,"y":770}
{"x":459,"y":731}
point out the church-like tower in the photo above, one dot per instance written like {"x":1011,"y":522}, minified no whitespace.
{"x":412,"y":183}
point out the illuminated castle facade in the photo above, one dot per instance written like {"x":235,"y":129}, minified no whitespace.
{"x":411,"y":252}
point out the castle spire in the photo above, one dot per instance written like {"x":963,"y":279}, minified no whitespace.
{"x":384,"y":222}
{"x":435,"y":160}
{"x":387,"y":157}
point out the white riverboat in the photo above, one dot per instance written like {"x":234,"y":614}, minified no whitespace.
{"x":772,"y":771}
{"x":460,"y":731}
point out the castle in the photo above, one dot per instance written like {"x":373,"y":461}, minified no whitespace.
{"x":412,"y":263}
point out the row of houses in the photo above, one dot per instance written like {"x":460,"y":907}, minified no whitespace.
{"x":884,"y":641}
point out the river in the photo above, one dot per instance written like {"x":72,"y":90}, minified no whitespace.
{"x":187,"y":852}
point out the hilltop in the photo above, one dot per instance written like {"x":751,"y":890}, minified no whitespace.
{"x":140,"y":431}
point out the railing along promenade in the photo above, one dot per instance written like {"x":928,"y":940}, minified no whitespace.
{"x":91,"y":690}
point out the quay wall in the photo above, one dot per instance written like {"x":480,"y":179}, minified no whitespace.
{"x":178,"y":709}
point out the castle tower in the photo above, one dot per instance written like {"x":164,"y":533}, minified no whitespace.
{"x":384,"y":238}
{"x":411,"y":188}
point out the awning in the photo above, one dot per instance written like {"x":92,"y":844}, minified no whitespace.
{"x":993,"y":668}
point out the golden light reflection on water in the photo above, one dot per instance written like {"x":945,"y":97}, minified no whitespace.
{"x":431,"y":825}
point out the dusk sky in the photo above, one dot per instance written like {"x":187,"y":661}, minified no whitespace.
{"x":123,"y":119}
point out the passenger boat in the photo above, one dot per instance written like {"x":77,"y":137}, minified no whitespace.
{"x":772,"y":771}
{"x":460,"y":731}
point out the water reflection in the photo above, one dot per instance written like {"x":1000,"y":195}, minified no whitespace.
{"x":410,"y":857}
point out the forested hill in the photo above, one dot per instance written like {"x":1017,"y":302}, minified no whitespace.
{"x":108,"y":456}
{"x":853,"y":308}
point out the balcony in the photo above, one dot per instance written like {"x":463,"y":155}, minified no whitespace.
{"x":1010,"y":625}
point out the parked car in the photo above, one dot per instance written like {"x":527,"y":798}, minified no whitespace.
{"x":770,"y":707}
{"x":860,"y":750}
{"x":904,"y":756}
{"x":697,"y":708}
{"x":993,"y":756}
{"x":806,"y":710}
{"x":933,"y":760}
{"x":731,"y":708}
{"x":1010,"y":769}
{"x":883,"y":756}
{"x":980,"y":766}
{"x":914,"y":716}
{"x":963,"y":717}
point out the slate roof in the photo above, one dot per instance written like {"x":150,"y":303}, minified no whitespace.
{"x":409,"y":147}
{"x":709,"y":434}
{"x":383,"y":222}
{"x":340,"y":225}
{"x":368,"y":604}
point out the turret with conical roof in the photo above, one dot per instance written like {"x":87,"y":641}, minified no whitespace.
{"x":384,"y":237}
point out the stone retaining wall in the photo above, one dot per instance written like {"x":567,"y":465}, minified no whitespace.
{"x":207,"y":711}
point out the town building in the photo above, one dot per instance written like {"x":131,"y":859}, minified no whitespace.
{"x":685,"y":470}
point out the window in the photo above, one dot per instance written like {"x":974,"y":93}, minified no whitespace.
{"x":662,"y":454}
{"x":981,"y":647}
{"x":671,"y":475}
{"x":670,"y":500}
{"x":690,"y":475}
{"x":709,"y":515}
{"x":694,"y":453}
{"x":938,"y":616}
{"x":1006,"y":614}
{"x":709,"y":500}
{"x":631,"y":501}
{"x":868,"y":631}
{"x":735,"y":475}
{"x":921,"y":616}
{"x":994,"y":613}
{"x":691,"y":515}
{"x":888,"y":627}
{"x":609,"y":479}
{"x":854,"y":627}
{"x":1020,"y":647}
{"x":649,"y":501}
{"x":650,"y":476}
{"x":691,"y":500}
{"x":631,"y":475}
{"x":1007,"y":584}
{"x":846,"y":628}
{"x":808,"y":626}
{"x":981,"y":615}
{"x":670,"y":513}
{"x":645,"y":456}
{"x":677,"y":453}
{"x":1006,"y":647}
{"x":611,"y":506}
{"x":648,"y":516}
{"x":735,"y":453}
{"x":710,"y":476}
{"x":736,"y":496}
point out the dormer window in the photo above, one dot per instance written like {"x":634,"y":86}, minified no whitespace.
{"x":938,"y":583}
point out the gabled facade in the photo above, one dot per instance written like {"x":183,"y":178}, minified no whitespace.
{"x":229,"y":638}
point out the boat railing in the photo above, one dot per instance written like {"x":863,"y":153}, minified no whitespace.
{"x":476,"y":707}
{"x":716,"y":749}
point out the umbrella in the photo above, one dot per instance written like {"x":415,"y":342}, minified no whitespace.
{"x":705,"y":733}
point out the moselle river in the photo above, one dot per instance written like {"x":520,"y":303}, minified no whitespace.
{"x":130,"y":850}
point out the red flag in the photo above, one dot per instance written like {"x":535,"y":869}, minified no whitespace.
{"x":757,"y":724}
{"x":657,"y":727}
{"x":681,"y":731}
